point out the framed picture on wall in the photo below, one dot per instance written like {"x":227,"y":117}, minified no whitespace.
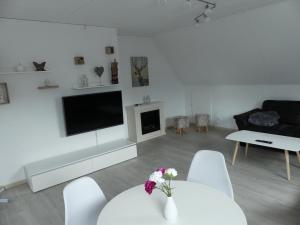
{"x":4,"y":98}
{"x":139,"y":71}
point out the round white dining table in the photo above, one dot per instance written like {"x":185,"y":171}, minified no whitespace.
{"x":197,"y":204}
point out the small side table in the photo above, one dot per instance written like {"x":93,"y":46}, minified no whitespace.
{"x":202,"y":121}
{"x":181,"y":123}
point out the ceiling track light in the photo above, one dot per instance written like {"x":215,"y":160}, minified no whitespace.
{"x":209,"y":5}
{"x":208,"y":9}
{"x":204,"y":15}
{"x":197,"y":22}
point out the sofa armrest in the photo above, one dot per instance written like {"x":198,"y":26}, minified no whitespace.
{"x":242,"y":119}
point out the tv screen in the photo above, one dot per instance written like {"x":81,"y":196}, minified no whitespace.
{"x":91,"y":112}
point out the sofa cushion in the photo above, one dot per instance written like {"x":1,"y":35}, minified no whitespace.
{"x":265,"y":118}
{"x":289,"y":111}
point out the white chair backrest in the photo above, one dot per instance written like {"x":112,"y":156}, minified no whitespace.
{"x":83,"y":202}
{"x":209,"y":168}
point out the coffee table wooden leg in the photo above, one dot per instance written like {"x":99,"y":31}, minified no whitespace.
{"x":246,"y":151}
{"x":287,"y":161}
{"x":298,"y":156}
{"x":235,"y":152}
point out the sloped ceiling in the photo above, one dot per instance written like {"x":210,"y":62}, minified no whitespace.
{"x":257,"y":47}
{"x":141,"y":17}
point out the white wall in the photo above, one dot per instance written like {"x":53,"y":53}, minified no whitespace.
{"x":164,"y":85}
{"x":32,"y":125}
{"x":260,"y":46}
{"x":233,"y":64}
{"x":228,"y":66}
{"x":224,"y":101}
{"x":198,"y":100}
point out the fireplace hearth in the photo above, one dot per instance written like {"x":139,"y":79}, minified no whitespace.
{"x":145,"y":121}
{"x":150,"y":121}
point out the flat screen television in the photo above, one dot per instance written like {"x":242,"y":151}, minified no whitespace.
{"x":91,"y":112}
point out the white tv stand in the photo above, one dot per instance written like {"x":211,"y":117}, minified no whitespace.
{"x":49,"y":172}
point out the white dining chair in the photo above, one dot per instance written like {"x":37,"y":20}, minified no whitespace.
{"x":83,"y":202}
{"x":209,"y":168}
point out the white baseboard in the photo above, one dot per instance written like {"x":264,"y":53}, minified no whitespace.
{"x":14,"y":184}
{"x":225,"y":128}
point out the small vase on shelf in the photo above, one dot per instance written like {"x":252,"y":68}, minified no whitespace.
{"x":170,"y":210}
{"x":20,"y":68}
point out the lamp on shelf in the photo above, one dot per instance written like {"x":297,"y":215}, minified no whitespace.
{"x":204,"y":16}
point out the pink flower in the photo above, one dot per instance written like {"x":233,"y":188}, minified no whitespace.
{"x":162,"y":170}
{"x":149,"y":186}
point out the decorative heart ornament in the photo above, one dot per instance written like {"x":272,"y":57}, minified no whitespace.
{"x":99,"y":70}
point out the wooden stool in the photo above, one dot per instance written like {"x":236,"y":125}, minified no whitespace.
{"x":181,"y":123}
{"x":202,"y":122}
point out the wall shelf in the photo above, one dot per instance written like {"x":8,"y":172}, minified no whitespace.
{"x":48,"y":87}
{"x":24,"y":72}
{"x":93,"y":86}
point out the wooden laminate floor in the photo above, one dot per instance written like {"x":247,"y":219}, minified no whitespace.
{"x":259,"y":181}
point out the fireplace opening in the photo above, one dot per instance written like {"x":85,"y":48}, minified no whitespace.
{"x":150,"y":121}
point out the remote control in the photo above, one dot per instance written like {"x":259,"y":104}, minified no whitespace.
{"x":262,"y":141}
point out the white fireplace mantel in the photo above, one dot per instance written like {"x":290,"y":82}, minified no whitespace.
{"x":134,"y":120}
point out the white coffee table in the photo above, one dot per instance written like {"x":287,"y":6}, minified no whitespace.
{"x":197,"y":205}
{"x":269,"y":140}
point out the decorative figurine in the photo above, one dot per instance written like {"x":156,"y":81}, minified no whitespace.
{"x":114,"y":72}
{"x":39,"y":66}
{"x":84,"y":81}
